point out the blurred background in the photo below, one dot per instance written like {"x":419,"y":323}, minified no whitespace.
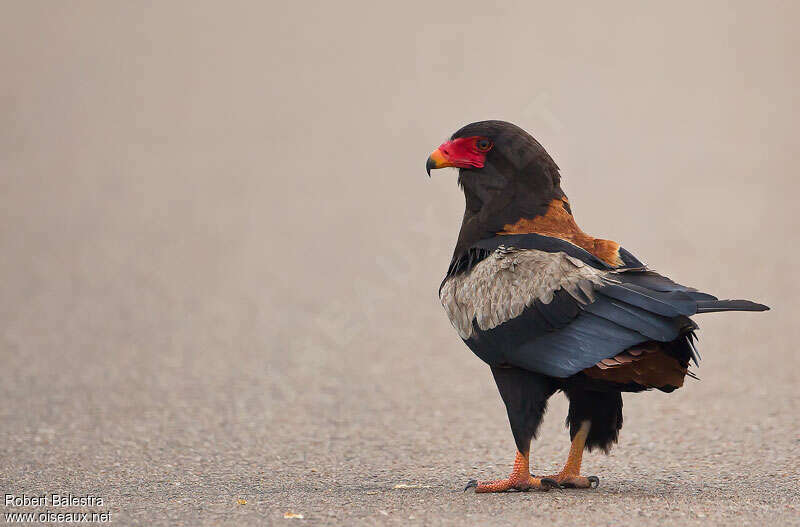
{"x":221,"y":254}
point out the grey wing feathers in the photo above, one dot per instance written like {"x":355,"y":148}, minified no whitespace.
{"x":553,"y":314}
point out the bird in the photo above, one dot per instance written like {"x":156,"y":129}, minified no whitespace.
{"x":550,"y":308}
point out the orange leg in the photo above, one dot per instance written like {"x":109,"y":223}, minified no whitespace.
{"x":570,"y":475}
{"x":520,"y":479}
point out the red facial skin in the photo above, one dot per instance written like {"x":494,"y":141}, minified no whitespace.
{"x":464,"y":152}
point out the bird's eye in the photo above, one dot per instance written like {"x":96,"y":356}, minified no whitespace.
{"x":483,"y":145}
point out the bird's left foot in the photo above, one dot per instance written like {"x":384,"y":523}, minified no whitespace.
{"x":521,"y":484}
{"x":575,"y":481}
{"x":520,"y":479}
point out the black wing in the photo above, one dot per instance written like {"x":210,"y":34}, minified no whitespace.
{"x":561,"y":337}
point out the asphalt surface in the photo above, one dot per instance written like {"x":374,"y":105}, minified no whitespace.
{"x":173,"y":400}
{"x":173,"y":421}
{"x":218,"y":283}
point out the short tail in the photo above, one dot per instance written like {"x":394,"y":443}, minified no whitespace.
{"x":711,"y":306}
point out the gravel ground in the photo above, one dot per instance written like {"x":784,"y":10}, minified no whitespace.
{"x":218,"y":283}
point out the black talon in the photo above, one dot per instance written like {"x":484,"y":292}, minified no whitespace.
{"x":473,"y":483}
{"x":593,"y":480}
{"x":549,"y":483}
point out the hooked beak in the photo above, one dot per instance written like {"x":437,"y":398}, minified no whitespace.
{"x":437,"y":160}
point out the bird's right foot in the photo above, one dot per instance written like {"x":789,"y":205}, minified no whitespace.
{"x":575,"y":481}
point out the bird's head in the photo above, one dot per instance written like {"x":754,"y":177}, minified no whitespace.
{"x":505,"y":173}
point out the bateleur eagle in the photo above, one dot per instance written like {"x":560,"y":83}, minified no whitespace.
{"x":550,"y":307}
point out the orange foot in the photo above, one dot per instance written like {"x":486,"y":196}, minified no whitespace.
{"x":570,"y":476}
{"x":512,"y":482}
{"x":575,"y":481}
{"x":520,"y":479}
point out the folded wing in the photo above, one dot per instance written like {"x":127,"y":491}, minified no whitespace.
{"x":555,"y":313}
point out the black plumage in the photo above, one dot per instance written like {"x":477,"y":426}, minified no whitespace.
{"x":549,"y":307}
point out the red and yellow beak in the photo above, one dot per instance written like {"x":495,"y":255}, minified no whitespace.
{"x":462,"y":152}
{"x":437,"y":160}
